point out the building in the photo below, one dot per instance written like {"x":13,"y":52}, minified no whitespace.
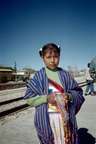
{"x":6,"y":74}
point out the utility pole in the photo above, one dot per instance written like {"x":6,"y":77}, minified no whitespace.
{"x":15,"y":70}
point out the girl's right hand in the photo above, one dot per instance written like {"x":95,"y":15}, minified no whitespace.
{"x":52,"y":99}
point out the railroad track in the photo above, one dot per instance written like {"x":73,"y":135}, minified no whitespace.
{"x":13,"y":110}
{"x":21,"y":107}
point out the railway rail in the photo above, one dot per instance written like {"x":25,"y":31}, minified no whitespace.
{"x":21,"y":107}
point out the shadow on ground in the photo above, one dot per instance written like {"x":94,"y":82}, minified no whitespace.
{"x":85,"y":137}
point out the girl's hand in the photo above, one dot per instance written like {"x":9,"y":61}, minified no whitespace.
{"x":66,"y":98}
{"x":52,"y":99}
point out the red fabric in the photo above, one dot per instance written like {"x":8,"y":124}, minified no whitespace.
{"x":56,"y":85}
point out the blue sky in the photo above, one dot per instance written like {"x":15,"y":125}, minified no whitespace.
{"x":26,"y":25}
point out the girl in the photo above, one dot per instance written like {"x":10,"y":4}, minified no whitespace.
{"x":57,"y":99}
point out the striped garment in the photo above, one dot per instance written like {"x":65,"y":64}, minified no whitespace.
{"x":38,"y":85}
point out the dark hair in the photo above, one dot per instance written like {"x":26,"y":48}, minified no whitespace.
{"x":49,"y":45}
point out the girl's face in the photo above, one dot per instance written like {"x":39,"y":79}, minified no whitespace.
{"x":51,"y":58}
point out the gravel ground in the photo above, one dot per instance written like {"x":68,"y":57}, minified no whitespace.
{"x":18,"y":129}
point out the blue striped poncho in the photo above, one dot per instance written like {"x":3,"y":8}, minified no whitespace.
{"x":38,"y":85}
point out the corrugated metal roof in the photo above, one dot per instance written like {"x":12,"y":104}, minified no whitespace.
{"x":5,"y":70}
